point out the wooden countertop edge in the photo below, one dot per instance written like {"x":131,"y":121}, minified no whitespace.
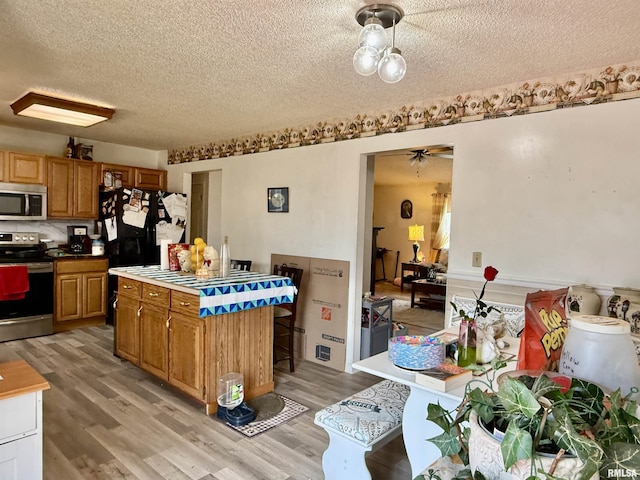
{"x":20,"y":378}
{"x":157,"y":283}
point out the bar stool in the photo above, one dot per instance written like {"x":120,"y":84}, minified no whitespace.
{"x":284,"y":317}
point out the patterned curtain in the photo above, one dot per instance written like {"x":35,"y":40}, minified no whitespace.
{"x":438,"y":211}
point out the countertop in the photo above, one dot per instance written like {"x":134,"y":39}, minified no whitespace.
{"x":19,"y":378}
{"x":241,"y":290}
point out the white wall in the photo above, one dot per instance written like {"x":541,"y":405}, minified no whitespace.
{"x":31,"y":141}
{"x":550,"y":199}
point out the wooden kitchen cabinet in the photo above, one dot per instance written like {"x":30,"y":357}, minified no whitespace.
{"x":3,"y":165}
{"x":127,"y":331}
{"x":72,"y":191}
{"x":150,"y":179}
{"x":80,"y":293}
{"x":142,"y":178}
{"x":125,"y":172}
{"x":186,"y":353}
{"x":154,"y":322}
{"x":25,"y":168}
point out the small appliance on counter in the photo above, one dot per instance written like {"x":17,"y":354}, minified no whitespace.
{"x":79,"y":241}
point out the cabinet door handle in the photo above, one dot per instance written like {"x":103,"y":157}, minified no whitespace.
{"x":127,"y":287}
{"x":115,"y":302}
{"x":185,"y":304}
{"x":153,"y":294}
{"x":140,"y":311}
{"x":169,"y":322}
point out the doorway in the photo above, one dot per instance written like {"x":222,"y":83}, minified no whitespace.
{"x":199,"y":202}
{"x":407,"y":186}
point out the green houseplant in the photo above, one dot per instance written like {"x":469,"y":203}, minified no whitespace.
{"x":543,"y":413}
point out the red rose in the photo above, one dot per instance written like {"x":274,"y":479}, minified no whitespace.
{"x":490,"y":273}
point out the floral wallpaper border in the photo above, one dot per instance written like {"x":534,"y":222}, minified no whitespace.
{"x":613,"y":83}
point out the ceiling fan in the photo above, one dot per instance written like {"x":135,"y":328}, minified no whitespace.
{"x":421,"y":156}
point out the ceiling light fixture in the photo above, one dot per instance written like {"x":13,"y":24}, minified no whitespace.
{"x":60,"y":110}
{"x":373,"y":53}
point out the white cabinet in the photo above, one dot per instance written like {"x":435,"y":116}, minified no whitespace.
{"x":20,"y":421}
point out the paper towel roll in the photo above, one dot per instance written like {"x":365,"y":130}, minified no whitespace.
{"x":164,"y":254}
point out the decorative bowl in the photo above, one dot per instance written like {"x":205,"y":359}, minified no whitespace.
{"x":416,"y":352}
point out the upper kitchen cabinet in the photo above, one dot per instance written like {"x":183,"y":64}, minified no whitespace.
{"x":25,"y":168}
{"x":3,"y":164}
{"x":142,"y":178}
{"x":123,"y":171}
{"x":72,"y":191}
{"x":149,"y":179}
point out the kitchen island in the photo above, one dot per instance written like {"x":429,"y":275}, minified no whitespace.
{"x":189,"y":332}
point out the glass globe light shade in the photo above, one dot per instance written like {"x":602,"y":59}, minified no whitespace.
{"x":365,"y":60}
{"x":392,"y":67}
{"x":373,"y":35}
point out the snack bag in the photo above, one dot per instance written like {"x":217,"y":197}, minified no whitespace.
{"x":174,"y":248}
{"x":545,"y":329}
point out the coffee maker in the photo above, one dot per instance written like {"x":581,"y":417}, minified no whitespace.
{"x":79,"y":241}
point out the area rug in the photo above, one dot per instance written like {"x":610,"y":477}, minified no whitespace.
{"x":271,"y":410}
{"x":420,"y":321}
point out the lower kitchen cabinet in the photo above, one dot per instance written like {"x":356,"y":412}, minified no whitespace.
{"x":128,"y":328}
{"x":80,"y":293}
{"x":153,"y":344}
{"x":186,"y":354}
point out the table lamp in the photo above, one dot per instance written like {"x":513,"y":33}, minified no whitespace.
{"x":416,"y":234}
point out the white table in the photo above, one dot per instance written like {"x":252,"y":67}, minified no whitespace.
{"x":415,"y":427}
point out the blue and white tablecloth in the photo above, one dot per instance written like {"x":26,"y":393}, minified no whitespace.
{"x":241,"y":290}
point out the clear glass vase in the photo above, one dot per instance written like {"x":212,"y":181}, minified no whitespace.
{"x":467,"y":338}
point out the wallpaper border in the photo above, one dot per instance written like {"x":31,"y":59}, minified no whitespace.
{"x":609,"y":84}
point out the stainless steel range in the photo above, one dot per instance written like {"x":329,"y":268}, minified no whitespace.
{"x":31,"y":315}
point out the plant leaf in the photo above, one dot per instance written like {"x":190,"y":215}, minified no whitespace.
{"x":483,"y":403}
{"x":447,"y":442}
{"x":584,"y":448}
{"x":439,"y":416}
{"x":517,"y":398}
{"x":517,"y":444}
{"x":620,"y":456}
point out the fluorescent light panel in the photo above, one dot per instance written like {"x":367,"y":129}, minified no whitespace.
{"x":59,"y":110}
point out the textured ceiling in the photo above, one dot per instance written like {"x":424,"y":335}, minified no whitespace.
{"x":189,"y":72}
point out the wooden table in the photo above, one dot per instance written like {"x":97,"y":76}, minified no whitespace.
{"x":436,"y":293}
{"x":418,"y":271}
{"x":416,"y":429}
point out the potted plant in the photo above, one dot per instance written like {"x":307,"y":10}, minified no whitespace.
{"x":538,"y":415}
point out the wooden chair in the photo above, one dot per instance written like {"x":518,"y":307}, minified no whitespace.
{"x":241,"y":264}
{"x":284,"y":317}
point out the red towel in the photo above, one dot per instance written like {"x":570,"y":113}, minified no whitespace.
{"x":14,"y":282}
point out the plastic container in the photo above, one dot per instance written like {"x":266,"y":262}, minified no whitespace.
{"x":97,"y":247}
{"x":230,"y":390}
{"x":600,"y":349}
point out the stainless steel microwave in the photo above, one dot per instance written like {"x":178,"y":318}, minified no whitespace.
{"x":21,"y":201}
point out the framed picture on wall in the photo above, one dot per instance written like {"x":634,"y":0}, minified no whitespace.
{"x":278,"y":199}
{"x":406,"y":209}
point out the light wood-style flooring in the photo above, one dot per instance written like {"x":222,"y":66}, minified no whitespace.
{"x":107,"y":419}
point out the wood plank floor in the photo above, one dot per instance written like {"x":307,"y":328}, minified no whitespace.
{"x":105,"y":419}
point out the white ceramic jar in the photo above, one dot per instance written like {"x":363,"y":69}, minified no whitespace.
{"x":582,"y":300}
{"x":600,"y":349}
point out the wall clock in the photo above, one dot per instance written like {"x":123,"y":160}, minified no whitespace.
{"x":278,"y":199}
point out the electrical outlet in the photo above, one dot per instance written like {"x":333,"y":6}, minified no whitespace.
{"x":476,"y":259}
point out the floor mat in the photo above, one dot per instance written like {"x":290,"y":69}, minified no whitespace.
{"x":290,"y":410}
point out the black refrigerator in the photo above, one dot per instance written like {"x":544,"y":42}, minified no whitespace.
{"x":132,"y":222}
